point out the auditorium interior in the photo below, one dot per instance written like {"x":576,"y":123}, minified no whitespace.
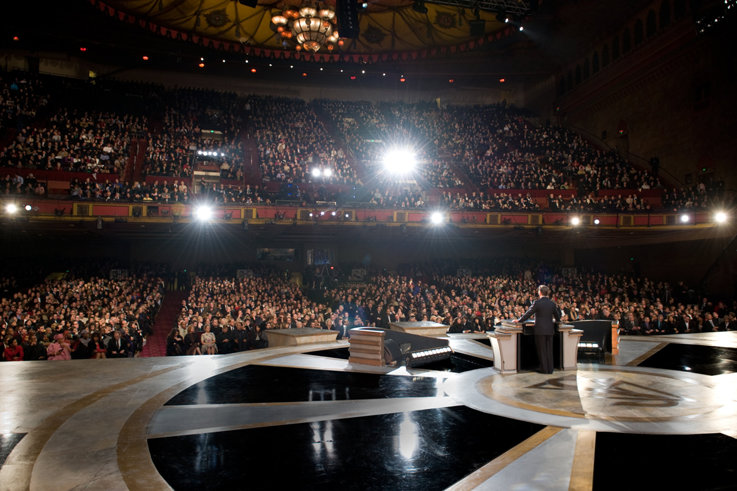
{"x":282,"y":245}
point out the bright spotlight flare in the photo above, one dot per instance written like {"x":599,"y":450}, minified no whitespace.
{"x":203,"y":213}
{"x":437,"y":218}
{"x":720,"y":217}
{"x":575,"y":221}
{"x":317,"y":172}
{"x":400,"y":161}
{"x":11,"y":208}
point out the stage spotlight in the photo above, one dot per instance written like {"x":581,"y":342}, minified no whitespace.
{"x":521,"y":28}
{"x":597,"y":221}
{"x":327,"y":172}
{"x":575,"y":221}
{"x":437,"y":218}
{"x":399,"y":161}
{"x":332,"y":213}
{"x":11,"y":208}
{"x":316,"y":172}
{"x":685,"y":218}
{"x":203,"y":213}
{"x":28,"y":208}
{"x":720,"y":217}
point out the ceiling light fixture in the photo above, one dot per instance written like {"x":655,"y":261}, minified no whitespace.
{"x":312,"y":26}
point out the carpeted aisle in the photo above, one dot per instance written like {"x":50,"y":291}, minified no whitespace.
{"x":165,"y":320}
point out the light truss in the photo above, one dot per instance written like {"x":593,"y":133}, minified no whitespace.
{"x":511,"y":7}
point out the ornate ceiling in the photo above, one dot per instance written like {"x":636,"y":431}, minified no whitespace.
{"x":389,"y":29}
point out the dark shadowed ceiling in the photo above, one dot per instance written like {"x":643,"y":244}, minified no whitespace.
{"x":386,"y":26}
{"x":451,"y":40}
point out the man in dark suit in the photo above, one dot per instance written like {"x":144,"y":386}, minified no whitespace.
{"x":684,"y":323}
{"x":546,"y":313}
{"x":117,"y":347}
{"x":710,"y":325}
{"x":728,"y":323}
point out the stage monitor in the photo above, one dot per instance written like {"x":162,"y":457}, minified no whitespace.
{"x":413,"y":350}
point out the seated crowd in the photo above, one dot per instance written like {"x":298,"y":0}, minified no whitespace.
{"x":369,"y":129}
{"x":199,"y":128}
{"x":496,"y":201}
{"x":409,"y":196}
{"x":698,"y":197}
{"x":90,"y":189}
{"x":162,"y":192}
{"x":477,"y":152}
{"x":224,"y":315}
{"x":606,"y":204}
{"x":21,"y":98}
{"x":292,"y":141}
{"x":95,"y":143}
{"x":19,"y":185}
{"x":97,"y":318}
{"x":475,"y":302}
{"x":73,"y":318}
{"x":235,"y":313}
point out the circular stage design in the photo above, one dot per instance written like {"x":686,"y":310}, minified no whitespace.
{"x":618,"y":399}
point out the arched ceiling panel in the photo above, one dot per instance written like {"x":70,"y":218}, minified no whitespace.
{"x":386,"y":26}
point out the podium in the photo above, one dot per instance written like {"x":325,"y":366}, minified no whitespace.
{"x":600,"y":336}
{"x":514,"y":351}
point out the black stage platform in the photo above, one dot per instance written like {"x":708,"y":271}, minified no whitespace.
{"x":424,"y":449}
{"x":661,"y":414}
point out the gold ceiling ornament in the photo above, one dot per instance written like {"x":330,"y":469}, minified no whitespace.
{"x":311,"y":26}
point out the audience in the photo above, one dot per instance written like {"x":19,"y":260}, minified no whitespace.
{"x":21,"y":98}
{"x":702,"y":196}
{"x":483,"y":157}
{"x":199,"y":129}
{"x":606,"y":204}
{"x":293,"y":143}
{"x":495,"y":202}
{"x":73,"y":317}
{"x":240,"y":310}
{"x":74,"y":141}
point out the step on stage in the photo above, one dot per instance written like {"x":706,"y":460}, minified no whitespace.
{"x":661,"y":414}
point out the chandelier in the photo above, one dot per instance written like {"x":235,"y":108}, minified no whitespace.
{"x":311,"y":26}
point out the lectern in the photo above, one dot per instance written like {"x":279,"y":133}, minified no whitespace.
{"x":514,"y":351}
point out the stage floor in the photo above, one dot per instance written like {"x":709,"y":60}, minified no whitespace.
{"x":661,"y":414}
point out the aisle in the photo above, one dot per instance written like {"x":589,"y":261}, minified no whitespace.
{"x":165,"y":320}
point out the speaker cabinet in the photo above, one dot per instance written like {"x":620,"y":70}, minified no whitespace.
{"x":347,"y":13}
